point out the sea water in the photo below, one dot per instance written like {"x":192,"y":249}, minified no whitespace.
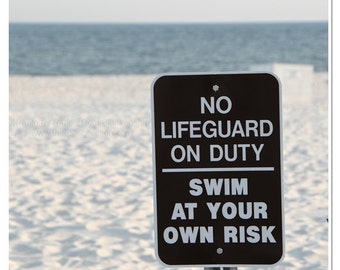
{"x":73,"y":49}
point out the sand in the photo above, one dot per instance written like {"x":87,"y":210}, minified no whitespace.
{"x":81,"y":187}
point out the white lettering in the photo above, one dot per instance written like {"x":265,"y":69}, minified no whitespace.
{"x":163,"y":135}
{"x":213,"y":209}
{"x":219,"y":106}
{"x":179,"y":213}
{"x":189,"y":235}
{"x":229,"y":210}
{"x":230,"y":234}
{"x":193,"y":127}
{"x":251,"y":234}
{"x":209,"y":132}
{"x":216,"y":129}
{"x":213,"y":186}
{"x":219,"y":154}
{"x":263,"y":124}
{"x":179,"y":153}
{"x":210,"y":106}
{"x":170,"y":235}
{"x":238,"y":130}
{"x":234,"y":152}
{"x":260,"y":210}
{"x":206,"y":234}
{"x":239,"y":186}
{"x":267,"y":234}
{"x":251,"y":126}
{"x":243,"y":210}
{"x":195,"y":188}
{"x":182,"y":126}
{"x":257,"y":150}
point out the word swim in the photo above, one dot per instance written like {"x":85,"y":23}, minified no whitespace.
{"x":216,"y":129}
{"x":232,"y":234}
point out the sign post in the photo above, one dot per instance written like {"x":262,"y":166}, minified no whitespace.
{"x":217,"y":153}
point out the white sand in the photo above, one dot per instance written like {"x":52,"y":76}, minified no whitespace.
{"x":81,"y":192}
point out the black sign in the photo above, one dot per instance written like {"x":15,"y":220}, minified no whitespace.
{"x":217,"y":169}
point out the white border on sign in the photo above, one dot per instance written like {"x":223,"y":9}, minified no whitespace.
{"x":154,"y":167}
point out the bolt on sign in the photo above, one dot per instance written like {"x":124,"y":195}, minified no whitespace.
{"x":217,"y":154}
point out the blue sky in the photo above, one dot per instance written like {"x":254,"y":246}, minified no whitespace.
{"x":167,"y":11}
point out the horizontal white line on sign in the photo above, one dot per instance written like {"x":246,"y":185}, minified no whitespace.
{"x":226,"y":169}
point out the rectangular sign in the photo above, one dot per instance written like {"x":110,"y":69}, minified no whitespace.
{"x":217,"y":153}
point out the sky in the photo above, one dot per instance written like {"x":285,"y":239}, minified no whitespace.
{"x":121,"y":11}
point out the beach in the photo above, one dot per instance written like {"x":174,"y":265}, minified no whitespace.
{"x":81,"y":183}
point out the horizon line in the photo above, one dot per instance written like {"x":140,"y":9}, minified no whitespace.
{"x":167,"y":22}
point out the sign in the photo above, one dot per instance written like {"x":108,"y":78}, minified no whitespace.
{"x":217,"y":154}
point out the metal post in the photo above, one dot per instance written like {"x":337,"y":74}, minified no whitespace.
{"x":220,"y":268}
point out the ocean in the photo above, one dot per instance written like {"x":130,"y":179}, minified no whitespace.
{"x":103,"y":49}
